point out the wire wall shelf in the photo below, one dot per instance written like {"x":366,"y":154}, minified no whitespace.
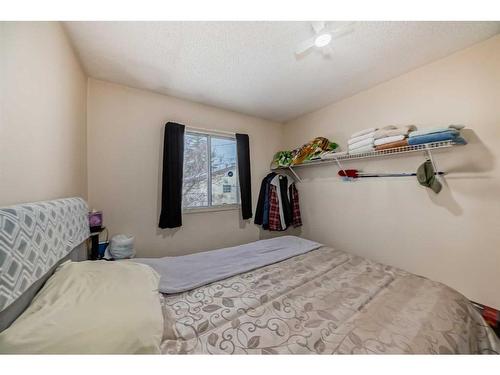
{"x":337,"y":159}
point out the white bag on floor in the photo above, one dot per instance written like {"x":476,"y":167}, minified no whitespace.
{"x":121,"y":246}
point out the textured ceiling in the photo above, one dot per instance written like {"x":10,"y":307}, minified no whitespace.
{"x":250,"y":67}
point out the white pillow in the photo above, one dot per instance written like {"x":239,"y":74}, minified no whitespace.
{"x":89,"y":307}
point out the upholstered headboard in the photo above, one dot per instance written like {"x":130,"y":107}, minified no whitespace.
{"x":34,"y":239}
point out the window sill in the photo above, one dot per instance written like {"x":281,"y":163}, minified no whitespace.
{"x":200,"y":210}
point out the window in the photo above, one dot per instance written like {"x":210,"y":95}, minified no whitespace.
{"x":210,"y":171}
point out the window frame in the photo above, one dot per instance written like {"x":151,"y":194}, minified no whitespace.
{"x":220,"y":207}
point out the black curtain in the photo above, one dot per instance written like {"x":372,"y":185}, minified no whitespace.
{"x":243,"y":150}
{"x":171,"y":191}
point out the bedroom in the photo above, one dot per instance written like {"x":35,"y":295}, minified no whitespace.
{"x":290,"y":187}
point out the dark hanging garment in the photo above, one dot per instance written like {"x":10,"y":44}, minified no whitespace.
{"x":294,"y":197}
{"x":285,"y":202}
{"x":173,"y":160}
{"x":265,"y":213}
{"x":263,"y":197}
{"x":243,"y":151}
{"x":274,"y":210}
{"x":259,"y":210}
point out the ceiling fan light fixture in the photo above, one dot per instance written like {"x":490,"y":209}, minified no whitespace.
{"x":323,"y":40}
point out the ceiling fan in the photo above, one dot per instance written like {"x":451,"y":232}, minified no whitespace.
{"x":323,"y":37}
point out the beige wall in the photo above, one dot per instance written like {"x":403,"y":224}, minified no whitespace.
{"x":125,"y":138}
{"x":42,"y":114}
{"x":453,"y":237}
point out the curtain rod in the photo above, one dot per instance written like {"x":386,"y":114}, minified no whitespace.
{"x":202,"y":130}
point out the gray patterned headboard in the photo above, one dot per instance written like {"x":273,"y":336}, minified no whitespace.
{"x":34,"y":237}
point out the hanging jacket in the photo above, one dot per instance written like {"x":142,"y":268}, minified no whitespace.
{"x":282,"y":185}
{"x":265,"y":215}
{"x":274,"y":210}
{"x":276,"y":183}
{"x":285,"y":201}
{"x":278,"y":203}
{"x":294,"y":197}
{"x":263,"y":196}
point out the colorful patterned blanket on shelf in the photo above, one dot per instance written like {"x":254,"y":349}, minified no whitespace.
{"x":309,"y":151}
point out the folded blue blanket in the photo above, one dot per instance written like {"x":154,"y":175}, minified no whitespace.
{"x":448,"y":135}
{"x":426,"y":131}
{"x":182,"y":273}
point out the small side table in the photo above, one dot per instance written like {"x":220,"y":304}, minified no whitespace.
{"x":94,"y":247}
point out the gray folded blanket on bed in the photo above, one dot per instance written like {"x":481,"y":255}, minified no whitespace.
{"x":182,"y":273}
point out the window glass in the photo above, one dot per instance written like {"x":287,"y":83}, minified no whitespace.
{"x":224,"y":175}
{"x":210,"y":171}
{"x":195,"y":186}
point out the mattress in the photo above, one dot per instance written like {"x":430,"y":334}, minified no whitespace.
{"x":325,"y":302}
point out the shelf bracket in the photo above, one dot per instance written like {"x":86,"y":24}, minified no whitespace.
{"x":295,"y":174}
{"x":429,"y":155}
{"x":340,"y":167}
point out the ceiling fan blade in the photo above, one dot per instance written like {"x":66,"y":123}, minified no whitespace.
{"x":318,"y":26}
{"x":304,"y":46}
{"x":340,"y":33}
{"x":342,"y":30}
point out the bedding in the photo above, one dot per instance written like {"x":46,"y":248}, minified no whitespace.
{"x":12,"y":312}
{"x":328,"y":302}
{"x":182,"y":273}
{"x":90,"y":307}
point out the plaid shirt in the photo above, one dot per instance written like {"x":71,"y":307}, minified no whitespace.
{"x":274,"y":209}
{"x":296,"y":219}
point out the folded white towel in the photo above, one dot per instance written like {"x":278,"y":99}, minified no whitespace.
{"x":363,"y":132}
{"x":364,"y":142}
{"x":360,"y":138}
{"x":359,"y":150}
{"x":394,"y":138}
{"x":391,"y":130}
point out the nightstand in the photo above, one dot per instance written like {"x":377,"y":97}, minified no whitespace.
{"x":94,"y":243}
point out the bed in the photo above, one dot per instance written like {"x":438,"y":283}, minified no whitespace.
{"x":315,"y":301}
{"x":324,"y":302}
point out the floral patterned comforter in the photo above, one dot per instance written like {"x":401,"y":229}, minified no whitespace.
{"x":325,"y":302}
